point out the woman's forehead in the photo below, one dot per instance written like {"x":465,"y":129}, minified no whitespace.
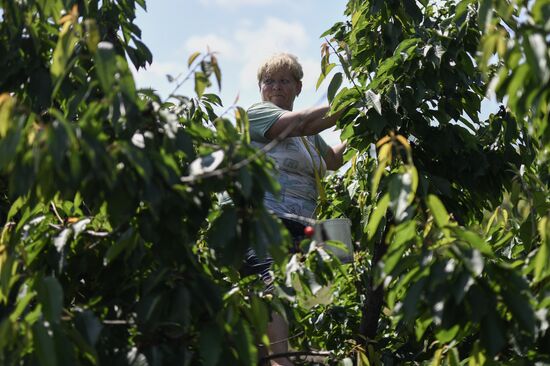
{"x":280,"y":71}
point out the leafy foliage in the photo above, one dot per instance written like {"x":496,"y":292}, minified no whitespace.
{"x":115,"y":247}
{"x":447,"y":233}
{"x":107,"y":193}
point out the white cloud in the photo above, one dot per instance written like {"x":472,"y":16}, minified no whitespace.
{"x":312,"y":68}
{"x":250,"y":44}
{"x":216,"y":43}
{"x":240,"y":54}
{"x":275,"y":35}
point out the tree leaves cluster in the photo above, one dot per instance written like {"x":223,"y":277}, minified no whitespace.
{"x":108,"y":196}
{"x":451,"y":212}
{"x":116,"y":248}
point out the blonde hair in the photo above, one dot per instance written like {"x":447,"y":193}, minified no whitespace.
{"x":281,"y":62}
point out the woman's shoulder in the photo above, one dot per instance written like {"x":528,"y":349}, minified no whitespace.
{"x":264,"y":107}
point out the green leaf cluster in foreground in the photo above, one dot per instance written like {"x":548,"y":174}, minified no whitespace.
{"x":117,"y":247}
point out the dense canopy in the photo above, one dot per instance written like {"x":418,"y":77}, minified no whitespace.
{"x":115,"y":250}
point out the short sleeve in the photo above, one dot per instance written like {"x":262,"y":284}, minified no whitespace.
{"x":321,"y":145}
{"x":261,"y":117}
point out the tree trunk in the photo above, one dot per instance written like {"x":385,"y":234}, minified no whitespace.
{"x":374,"y":296}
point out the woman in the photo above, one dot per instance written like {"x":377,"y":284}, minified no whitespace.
{"x":301,"y":157}
{"x":298,"y":159}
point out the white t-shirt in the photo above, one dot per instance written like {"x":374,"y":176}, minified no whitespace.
{"x":294,"y":163}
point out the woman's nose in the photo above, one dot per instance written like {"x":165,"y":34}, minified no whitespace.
{"x":279,"y":84}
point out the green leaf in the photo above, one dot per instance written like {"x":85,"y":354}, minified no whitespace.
{"x":474,"y":240}
{"x":477,"y":358}
{"x":44,"y":345}
{"x":243,"y":124}
{"x":126,"y":242}
{"x":324,"y":72}
{"x":89,"y":326}
{"x":447,"y":335}
{"x":6,"y":106}
{"x":344,"y":98}
{"x":207,"y":163}
{"x":492,"y":333}
{"x":334,"y":85}
{"x":438,"y":211}
{"x":245,"y":344}
{"x":259,"y":313}
{"x":421,"y":325}
{"x":105,"y":65}
{"x":210,"y":345}
{"x":521,"y":309}
{"x":541,"y":12}
{"x":223,"y":228}
{"x":537,"y":56}
{"x":8,"y":274}
{"x":485,"y":13}
{"x":400,"y":190}
{"x":217,"y":71}
{"x":373,"y":100}
{"x":453,"y":358}
{"x":412,"y":298}
{"x":542,"y":258}
{"x":201,"y":82}
{"x":63,"y":51}
{"x":50,"y":295}
{"x":92,"y":35}
{"x":15,"y":207}
{"x":402,"y":234}
{"x":192,"y":58}
{"x":378,"y":213}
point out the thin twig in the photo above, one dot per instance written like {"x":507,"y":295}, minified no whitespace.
{"x":295,"y":354}
{"x":348,"y":73}
{"x":98,"y":234}
{"x":115,"y":322}
{"x":188,"y":76}
{"x":56,"y":213}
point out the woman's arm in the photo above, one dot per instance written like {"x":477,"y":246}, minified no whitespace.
{"x":306,"y":122}
{"x":334,"y":156}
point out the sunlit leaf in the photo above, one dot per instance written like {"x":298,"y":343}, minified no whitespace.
{"x":374,"y":100}
{"x":192,"y":58}
{"x":542,"y":259}
{"x":377,"y":215}
{"x":92,"y":36}
{"x":438,"y":211}
{"x":201,"y":82}
{"x":63,"y":50}
{"x":323,"y":75}
{"x":105,"y":64}
{"x":206,"y":164}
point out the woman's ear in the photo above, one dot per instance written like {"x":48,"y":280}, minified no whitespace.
{"x":298,"y":87}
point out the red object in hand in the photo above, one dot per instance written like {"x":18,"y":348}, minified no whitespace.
{"x":309,"y":231}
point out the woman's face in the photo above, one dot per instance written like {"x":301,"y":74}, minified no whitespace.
{"x":280,"y":88}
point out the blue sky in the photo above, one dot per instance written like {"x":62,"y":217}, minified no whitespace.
{"x":244,"y":32}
